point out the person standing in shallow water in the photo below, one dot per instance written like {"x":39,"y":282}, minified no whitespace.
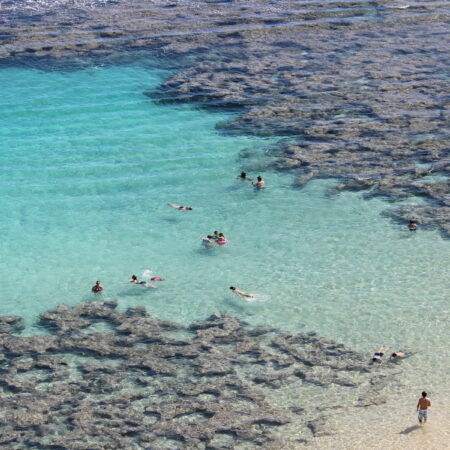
{"x":422,"y":407}
{"x":97,"y":288}
{"x":260,"y":183}
{"x":412,"y":226}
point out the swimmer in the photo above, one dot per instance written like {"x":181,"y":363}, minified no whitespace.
{"x":412,"y":226}
{"x":215,"y":236}
{"x":134,"y":280}
{"x":156,"y":279}
{"x":208,"y":241}
{"x":377,"y":356}
{"x":97,"y":288}
{"x":260,"y":183}
{"x":400,"y":355}
{"x":241,"y":293}
{"x":221,"y":240}
{"x":243,"y":177}
{"x":180,"y":208}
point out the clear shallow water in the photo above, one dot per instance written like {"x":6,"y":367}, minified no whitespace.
{"x":88,"y":164}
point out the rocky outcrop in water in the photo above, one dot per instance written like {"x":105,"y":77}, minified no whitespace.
{"x":359,"y":90}
{"x":104,"y":379}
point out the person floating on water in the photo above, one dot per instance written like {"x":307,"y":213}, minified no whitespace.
{"x":422,"y":407}
{"x":400,"y":355}
{"x":412,"y":226}
{"x":134,"y":280}
{"x":260,"y":183}
{"x":180,"y":208}
{"x":156,"y":279}
{"x":241,"y":293}
{"x":97,"y":288}
{"x":377,"y":356}
{"x":221,"y":239}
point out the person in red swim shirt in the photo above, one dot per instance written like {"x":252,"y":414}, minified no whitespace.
{"x":97,"y":288}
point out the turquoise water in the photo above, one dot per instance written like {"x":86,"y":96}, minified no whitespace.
{"x":88,"y":164}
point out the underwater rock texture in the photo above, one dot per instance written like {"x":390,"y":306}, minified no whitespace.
{"x":359,"y":89}
{"x":147,"y":383}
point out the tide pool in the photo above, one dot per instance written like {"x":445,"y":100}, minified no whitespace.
{"x":88,"y":164}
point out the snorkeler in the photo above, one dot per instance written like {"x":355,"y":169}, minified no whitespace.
{"x":180,"y":208}
{"x":241,"y":293}
{"x":260,"y":183}
{"x":396,"y":356}
{"x":97,"y":288}
{"x":412,"y":226}
{"x":156,"y":279}
{"x":377,"y":356}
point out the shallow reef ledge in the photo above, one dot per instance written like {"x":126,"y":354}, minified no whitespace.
{"x":358,"y":90}
{"x":103,"y":379}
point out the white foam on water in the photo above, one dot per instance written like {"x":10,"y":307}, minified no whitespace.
{"x":147,"y":274}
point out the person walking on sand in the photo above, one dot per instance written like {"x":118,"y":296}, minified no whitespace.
{"x":422,"y":407}
{"x":241,"y":293}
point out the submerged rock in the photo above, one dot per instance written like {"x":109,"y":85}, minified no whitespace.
{"x":134,"y":386}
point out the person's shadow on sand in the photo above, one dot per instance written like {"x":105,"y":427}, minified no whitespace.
{"x":410,"y":429}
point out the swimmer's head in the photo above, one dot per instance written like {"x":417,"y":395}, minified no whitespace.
{"x":424,"y":394}
{"x":259,"y":178}
{"x":394,"y":355}
{"x":134,"y":277}
{"x":209,"y":236}
{"x":232,"y":288}
{"x":216,"y":232}
{"x":243,"y":174}
{"x":221,"y":235}
{"x":375,"y":359}
{"x":180,"y":207}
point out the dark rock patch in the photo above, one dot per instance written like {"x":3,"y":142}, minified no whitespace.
{"x":136,"y":387}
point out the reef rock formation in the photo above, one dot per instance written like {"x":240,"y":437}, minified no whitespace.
{"x":358,"y":89}
{"x":148,"y":383}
